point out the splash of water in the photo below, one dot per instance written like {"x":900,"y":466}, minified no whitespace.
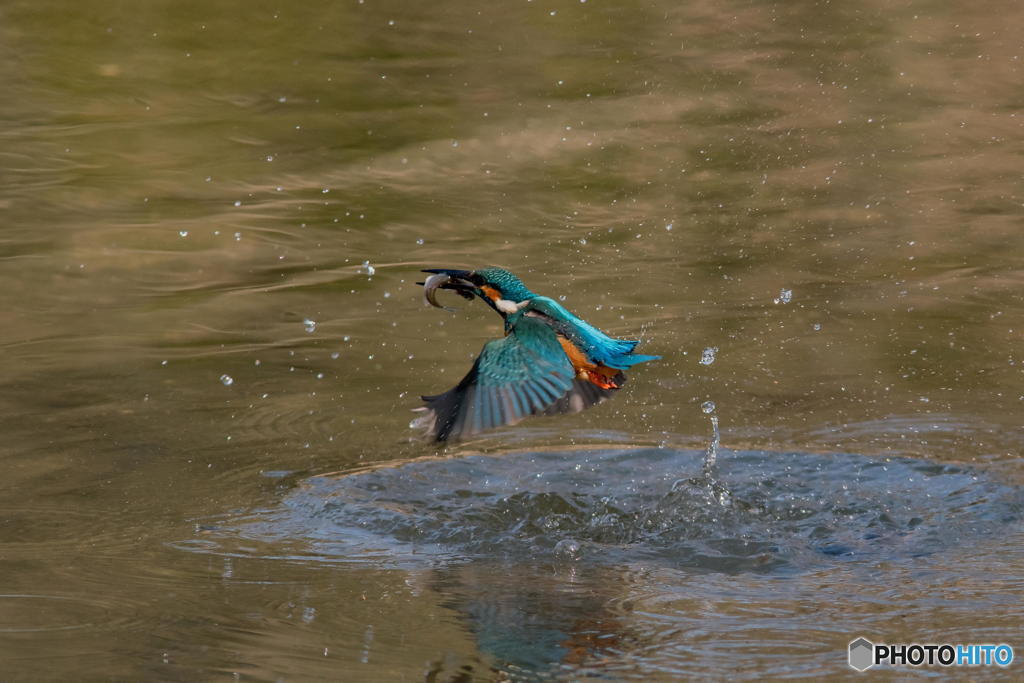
{"x":704,"y":486}
{"x":707,"y":357}
{"x":785,"y":296}
{"x":708,"y":407}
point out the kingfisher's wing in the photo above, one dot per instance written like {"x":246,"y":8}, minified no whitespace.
{"x":525,"y":373}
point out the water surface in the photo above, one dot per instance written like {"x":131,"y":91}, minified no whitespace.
{"x":197,"y":364}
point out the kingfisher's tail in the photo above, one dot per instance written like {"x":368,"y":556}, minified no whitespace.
{"x":621,"y":354}
{"x":628,"y":361}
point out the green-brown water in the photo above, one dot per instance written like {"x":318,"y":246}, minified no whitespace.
{"x":829,"y":194}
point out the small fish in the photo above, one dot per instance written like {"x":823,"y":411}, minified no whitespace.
{"x":430,"y":287}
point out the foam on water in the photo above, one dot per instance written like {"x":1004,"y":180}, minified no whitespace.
{"x":754,"y":511}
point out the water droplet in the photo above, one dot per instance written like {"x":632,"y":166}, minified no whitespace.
{"x":419,"y":241}
{"x":785,"y":296}
{"x":226,"y":380}
{"x":238,"y":236}
{"x":257,"y":362}
{"x":707,"y":356}
{"x":816,"y":326}
{"x":238,"y":203}
{"x":310,"y":325}
{"x":335,"y":355}
{"x":183,"y":233}
{"x":370,"y":270}
{"x":319,"y":375}
{"x":708,"y":407}
{"x":568,"y":549}
{"x":163,"y":362}
{"x":668,"y":227}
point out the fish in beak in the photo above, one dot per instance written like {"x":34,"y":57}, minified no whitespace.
{"x":462,"y":282}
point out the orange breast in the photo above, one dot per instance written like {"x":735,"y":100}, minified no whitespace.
{"x":597,"y":374}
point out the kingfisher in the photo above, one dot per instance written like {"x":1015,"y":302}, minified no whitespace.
{"x":549,"y":361}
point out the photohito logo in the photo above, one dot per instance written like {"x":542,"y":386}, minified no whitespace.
{"x":864,"y":654}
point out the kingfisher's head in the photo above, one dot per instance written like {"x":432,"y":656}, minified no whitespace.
{"x":502,"y":290}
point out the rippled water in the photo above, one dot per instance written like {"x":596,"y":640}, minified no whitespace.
{"x":574,"y":520}
{"x":213,"y":217}
{"x":756,"y":511}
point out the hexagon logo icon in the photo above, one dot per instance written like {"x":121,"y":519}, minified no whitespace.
{"x":862,"y":653}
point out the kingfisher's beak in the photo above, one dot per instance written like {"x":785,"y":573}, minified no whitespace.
{"x":462,"y":282}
